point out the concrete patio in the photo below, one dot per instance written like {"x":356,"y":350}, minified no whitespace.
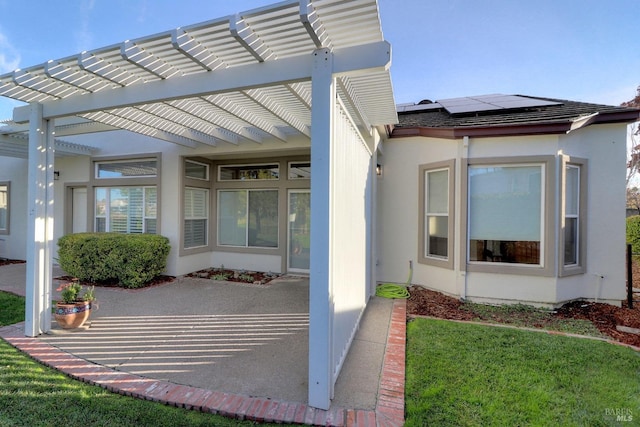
{"x":241,"y":340}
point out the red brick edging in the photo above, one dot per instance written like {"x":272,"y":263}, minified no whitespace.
{"x":389,"y":410}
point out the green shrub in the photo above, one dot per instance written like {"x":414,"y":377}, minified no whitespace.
{"x":130,"y":259}
{"x":633,"y":232}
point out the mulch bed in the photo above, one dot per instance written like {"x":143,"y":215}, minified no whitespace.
{"x":605,"y":317}
{"x":238,"y":276}
{"x":4,"y":261}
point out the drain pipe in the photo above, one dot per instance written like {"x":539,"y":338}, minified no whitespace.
{"x":600,"y":279}
{"x":464,"y":155}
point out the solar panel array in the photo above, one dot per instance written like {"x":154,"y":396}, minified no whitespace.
{"x":495,"y":102}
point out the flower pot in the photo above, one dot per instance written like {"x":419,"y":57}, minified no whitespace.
{"x":73,"y":315}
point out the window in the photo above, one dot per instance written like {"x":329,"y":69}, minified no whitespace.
{"x":572,"y":238}
{"x":126,"y":209}
{"x":299,"y":170}
{"x":248,"y":218}
{"x":196,"y":217}
{"x":4,"y":207}
{"x":127,"y":169}
{"x":196,"y":170}
{"x":436,"y":219}
{"x":248,"y":172}
{"x":571,"y":216}
{"x":506,"y":213}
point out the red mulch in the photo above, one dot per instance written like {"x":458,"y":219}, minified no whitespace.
{"x":605,"y":317}
{"x":4,"y":261}
{"x":254,"y":277}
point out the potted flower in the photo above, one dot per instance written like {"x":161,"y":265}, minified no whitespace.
{"x":75,"y":307}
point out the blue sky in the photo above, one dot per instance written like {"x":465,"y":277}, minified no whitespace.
{"x":584,"y":50}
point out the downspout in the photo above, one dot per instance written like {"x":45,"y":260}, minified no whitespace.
{"x":463,"y":155}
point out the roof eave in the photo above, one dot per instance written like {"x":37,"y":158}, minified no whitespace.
{"x":628,"y":116}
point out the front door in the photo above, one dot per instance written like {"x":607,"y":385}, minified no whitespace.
{"x":299,"y":231}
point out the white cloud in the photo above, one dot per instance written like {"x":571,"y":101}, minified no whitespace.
{"x":9,"y":56}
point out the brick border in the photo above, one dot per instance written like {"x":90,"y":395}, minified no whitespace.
{"x":389,"y":410}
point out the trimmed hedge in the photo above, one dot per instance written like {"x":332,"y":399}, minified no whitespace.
{"x":130,"y":259}
{"x":633,"y":232}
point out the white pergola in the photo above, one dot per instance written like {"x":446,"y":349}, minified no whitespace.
{"x":317,"y":69}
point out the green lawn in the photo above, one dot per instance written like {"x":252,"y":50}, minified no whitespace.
{"x":472,"y":375}
{"x":457,"y":375}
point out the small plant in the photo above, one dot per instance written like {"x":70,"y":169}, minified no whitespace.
{"x":245,"y":277}
{"x":220,"y":276}
{"x":73,"y":292}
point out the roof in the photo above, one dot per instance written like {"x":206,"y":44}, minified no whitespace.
{"x":244,"y":78}
{"x":508,"y":115}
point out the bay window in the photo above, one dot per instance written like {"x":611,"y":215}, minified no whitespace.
{"x":506,"y":213}
{"x":436,"y":219}
{"x":573,"y":210}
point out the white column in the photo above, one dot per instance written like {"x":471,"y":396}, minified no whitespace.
{"x":320,"y":295}
{"x":39,"y":224}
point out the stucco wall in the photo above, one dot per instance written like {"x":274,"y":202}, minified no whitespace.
{"x":398,"y":217}
{"x":13,"y":244}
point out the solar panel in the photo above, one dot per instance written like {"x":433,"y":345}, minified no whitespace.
{"x":494,"y":102}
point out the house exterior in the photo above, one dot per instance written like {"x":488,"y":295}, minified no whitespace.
{"x":257,"y":147}
{"x":506,"y":199}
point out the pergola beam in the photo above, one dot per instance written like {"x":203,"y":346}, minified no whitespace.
{"x":347,"y":61}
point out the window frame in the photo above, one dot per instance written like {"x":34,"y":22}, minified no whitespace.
{"x":581,"y":266}
{"x":7,"y":226}
{"x":248,"y":165}
{"x":548,"y":209}
{"x":107,"y":216}
{"x":145,"y":181}
{"x":423,"y":171}
{"x":196,"y":183}
{"x":97,"y":163}
{"x":206,"y":217}
{"x":248,"y":192}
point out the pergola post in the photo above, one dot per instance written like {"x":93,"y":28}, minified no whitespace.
{"x":40,"y":224}
{"x":320,"y":294}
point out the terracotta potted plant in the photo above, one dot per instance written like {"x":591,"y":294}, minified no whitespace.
{"x":75,"y":307}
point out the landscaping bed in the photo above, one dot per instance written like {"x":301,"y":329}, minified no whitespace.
{"x":240,"y":276}
{"x":5,"y":261}
{"x":588,"y":318}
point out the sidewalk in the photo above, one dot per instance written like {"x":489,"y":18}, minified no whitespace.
{"x":238,"y":350}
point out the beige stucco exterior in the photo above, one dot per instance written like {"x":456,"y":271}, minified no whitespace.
{"x":602,"y":146}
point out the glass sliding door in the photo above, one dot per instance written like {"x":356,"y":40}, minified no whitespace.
{"x":299,"y":231}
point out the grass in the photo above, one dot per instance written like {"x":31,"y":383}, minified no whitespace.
{"x":12,"y":309}
{"x":469,"y":375}
{"x":457,"y":375}
{"x":33,"y":395}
